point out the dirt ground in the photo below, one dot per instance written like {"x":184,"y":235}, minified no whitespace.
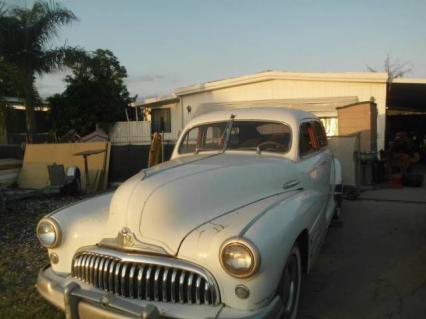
{"x":372,"y":267}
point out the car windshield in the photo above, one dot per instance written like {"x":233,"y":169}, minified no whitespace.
{"x":237,"y":135}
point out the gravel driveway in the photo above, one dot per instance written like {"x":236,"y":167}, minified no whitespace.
{"x":22,"y":257}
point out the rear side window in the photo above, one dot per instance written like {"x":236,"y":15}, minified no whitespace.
{"x":307,"y":141}
{"x":320,"y":134}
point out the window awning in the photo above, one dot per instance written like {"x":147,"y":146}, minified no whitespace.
{"x":322,"y":107}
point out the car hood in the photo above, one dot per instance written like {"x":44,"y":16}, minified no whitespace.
{"x":162,"y":205}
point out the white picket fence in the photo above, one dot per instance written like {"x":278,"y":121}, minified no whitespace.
{"x":136,"y":132}
{"x":133,"y":132}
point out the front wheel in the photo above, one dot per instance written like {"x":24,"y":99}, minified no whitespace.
{"x":289,"y":289}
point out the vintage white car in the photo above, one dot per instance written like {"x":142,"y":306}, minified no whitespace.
{"x":222,"y":230}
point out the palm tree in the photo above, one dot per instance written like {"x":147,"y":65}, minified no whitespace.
{"x":25,"y":38}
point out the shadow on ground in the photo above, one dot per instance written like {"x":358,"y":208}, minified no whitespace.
{"x":372,"y":267}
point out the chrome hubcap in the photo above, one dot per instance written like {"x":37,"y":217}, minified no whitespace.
{"x":291,"y":298}
{"x":290,"y":286}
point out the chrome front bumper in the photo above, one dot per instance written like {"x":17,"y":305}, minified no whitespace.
{"x":80,"y":301}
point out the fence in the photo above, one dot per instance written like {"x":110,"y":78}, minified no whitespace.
{"x":11,"y":151}
{"x":133,"y":132}
{"x":19,"y":138}
{"x":136,"y":133}
{"x":127,"y":160}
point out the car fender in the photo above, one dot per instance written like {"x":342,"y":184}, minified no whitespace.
{"x":278,"y":229}
{"x":81,"y":224}
{"x":272,"y":225}
{"x":337,"y":172}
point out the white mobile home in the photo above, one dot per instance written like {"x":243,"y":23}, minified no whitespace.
{"x":319,"y":93}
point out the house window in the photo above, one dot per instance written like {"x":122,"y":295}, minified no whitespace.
{"x":331,"y":125}
{"x":161,"y":120}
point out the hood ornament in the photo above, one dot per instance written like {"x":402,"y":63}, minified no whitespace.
{"x":126,"y":238}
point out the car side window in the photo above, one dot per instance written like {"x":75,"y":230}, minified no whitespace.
{"x":307,"y":141}
{"x":320,"y":134}
{"x":190,"y":141}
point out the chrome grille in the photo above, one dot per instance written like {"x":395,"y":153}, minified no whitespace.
{"x":147,"y":278}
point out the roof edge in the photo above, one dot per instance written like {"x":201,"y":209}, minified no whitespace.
{"x":374,"y":77}
{"x":158,"y":100}
{"x":409,"y":80}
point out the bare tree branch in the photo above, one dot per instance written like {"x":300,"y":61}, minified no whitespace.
{"x":393,"y":68}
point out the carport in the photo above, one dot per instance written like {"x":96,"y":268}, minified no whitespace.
{"x":406,"y":111}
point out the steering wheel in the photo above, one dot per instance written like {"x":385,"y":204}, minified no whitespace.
{"x":276,"y":145}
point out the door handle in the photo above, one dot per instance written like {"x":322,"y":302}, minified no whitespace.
{"x":291,"y":184}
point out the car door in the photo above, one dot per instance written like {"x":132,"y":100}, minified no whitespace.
{"x":313,"y":162}
{"x":325,"y":166}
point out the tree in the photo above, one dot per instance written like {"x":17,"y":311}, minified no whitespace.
{"x":95,"y":93}
{"x":25,"y":48}
{"x":394,"y":69}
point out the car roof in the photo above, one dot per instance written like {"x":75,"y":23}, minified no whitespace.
{"x":282,"y":114}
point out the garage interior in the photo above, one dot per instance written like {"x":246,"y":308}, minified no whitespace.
{"x":405,"y":121}
{"x":406,"y":110}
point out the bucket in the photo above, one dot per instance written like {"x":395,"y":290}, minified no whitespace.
{"x":396,"y":180}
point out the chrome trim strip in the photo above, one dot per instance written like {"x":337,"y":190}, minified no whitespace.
{"x":104,"y":272}
{"x":92,"y":269}
{"x":86,"y":268}
{"x":123,"y":280}
{"x":131,"y":281}
{"x":197,"y":291}
{"x":181,"y":282}
{"x":173,"y":286}
{"x":189,"y":288}
{"x":291,"y":184}
{"x":101,"y":272}
{"x":89,"y":268}
{"x":140,"y":277}
{"x":148,"y":283}
{"x":81,"y":268}
{"x":165,"y":284}
{"x":206,"y":292}
{"x":111,"y":275}
{"x":76,"y":266}
{"x":96,"y":271}
{"x":156,"y":284}
{"x":117,"y":277}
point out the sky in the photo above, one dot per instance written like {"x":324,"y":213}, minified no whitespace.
{"x":165,"y":45}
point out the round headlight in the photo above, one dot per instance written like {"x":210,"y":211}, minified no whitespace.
{"x":48,"y":233}
{"x":239,"y":258}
